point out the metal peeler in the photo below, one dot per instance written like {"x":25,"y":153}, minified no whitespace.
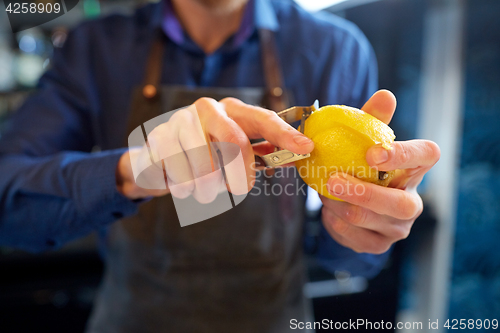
{"x":284,"y":156}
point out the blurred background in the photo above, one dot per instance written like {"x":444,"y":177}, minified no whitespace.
{"x":441,"y":58}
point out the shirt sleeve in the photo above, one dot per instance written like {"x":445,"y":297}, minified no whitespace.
{"x":52,"y":188}
{"x":334,"y":257}
{"x":351,"y":77}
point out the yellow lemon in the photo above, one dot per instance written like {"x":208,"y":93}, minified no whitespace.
{"x":342,"y":136}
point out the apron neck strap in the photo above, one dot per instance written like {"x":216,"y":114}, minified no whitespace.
{"x":275,"y":92}
{"x":152,"y":77}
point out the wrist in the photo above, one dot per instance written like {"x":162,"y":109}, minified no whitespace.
{"x":125,"y":182}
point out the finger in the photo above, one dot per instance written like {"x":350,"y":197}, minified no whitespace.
{"x":263,"y":148}
{"x":381,"y":105}
{"x":146,"y":174}
{"x":207,"y":178}
{"x":408,"y":179}
{"x":404,"y":155}
{"x":400,"y":179}
{"x":358,"y":239}
{"x":257,"y":123}
{"x":364,"y":218}
{"x":382,"y":200}
{"x":219,"y":127}
{"x":414,"y":181}
{"x":165,"y":145}
{"x":208,"y":187}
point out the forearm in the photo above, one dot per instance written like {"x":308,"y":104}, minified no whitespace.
{"x":47,"y":201}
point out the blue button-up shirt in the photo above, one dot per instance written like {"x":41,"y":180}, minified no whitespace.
{"x":53,"y":188}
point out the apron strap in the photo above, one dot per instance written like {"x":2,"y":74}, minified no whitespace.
{"x":152,"y":77}
{"x":272,"y":71}
{"x":146,"y":97}
{"x":275,"y":92}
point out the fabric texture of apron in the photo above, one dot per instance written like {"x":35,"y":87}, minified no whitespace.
{"x":241,"y":271}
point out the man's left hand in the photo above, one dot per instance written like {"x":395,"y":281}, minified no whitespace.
{"x":371,"y":221}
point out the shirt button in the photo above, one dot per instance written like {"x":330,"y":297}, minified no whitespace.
{"x":277,"y":91}
{"x":117,"y":215}
{"x":149,"y":91}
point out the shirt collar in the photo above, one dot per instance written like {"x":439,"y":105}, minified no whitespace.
{"x":266,"y":16}
{"x":259,"y":14}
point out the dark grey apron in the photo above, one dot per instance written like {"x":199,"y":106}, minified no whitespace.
{"x":241,"y":271}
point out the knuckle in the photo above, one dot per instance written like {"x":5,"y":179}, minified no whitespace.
{"x":160,"y":130}
{"x":408,"y":209}
{"x":327,"y":217}
{"x":419,"y":207}
{"x":174,"y":117}
{"x":434,"y":151}
{"x":182,"y":117}
{"x":268,"y":115}
{"x":182,"y":190}
{"x":207,"y":187}
{"x":200,"y":166}
{"x":238,"y":138}
{"x":402,"y":208}
{"x":404,"y":154}
{"x":358,"y":249}
{"x":204,"y":196}
{"x":406,"y":233}
{"x":356,"y":215}
{"x":419,"y":212}
{"x":230,"y":101}
{"x":204,"y":101}
{"x":367,"y":196}
{"x":401,"y":232}
{"x":339,"y":226}
{"x":342,"y":241}
{"x":379,"y":247}
{"x":383,"y":248}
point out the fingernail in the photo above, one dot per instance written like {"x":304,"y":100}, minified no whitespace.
{"x":379,"y":155}
{"x":302,"y":140}
{"x":336,"y":185}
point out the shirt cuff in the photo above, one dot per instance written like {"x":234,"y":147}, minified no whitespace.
{"x":100,"y":196}
{"x":334,"y":257}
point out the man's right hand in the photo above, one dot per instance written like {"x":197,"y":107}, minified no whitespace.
{"x":229,"y":120}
